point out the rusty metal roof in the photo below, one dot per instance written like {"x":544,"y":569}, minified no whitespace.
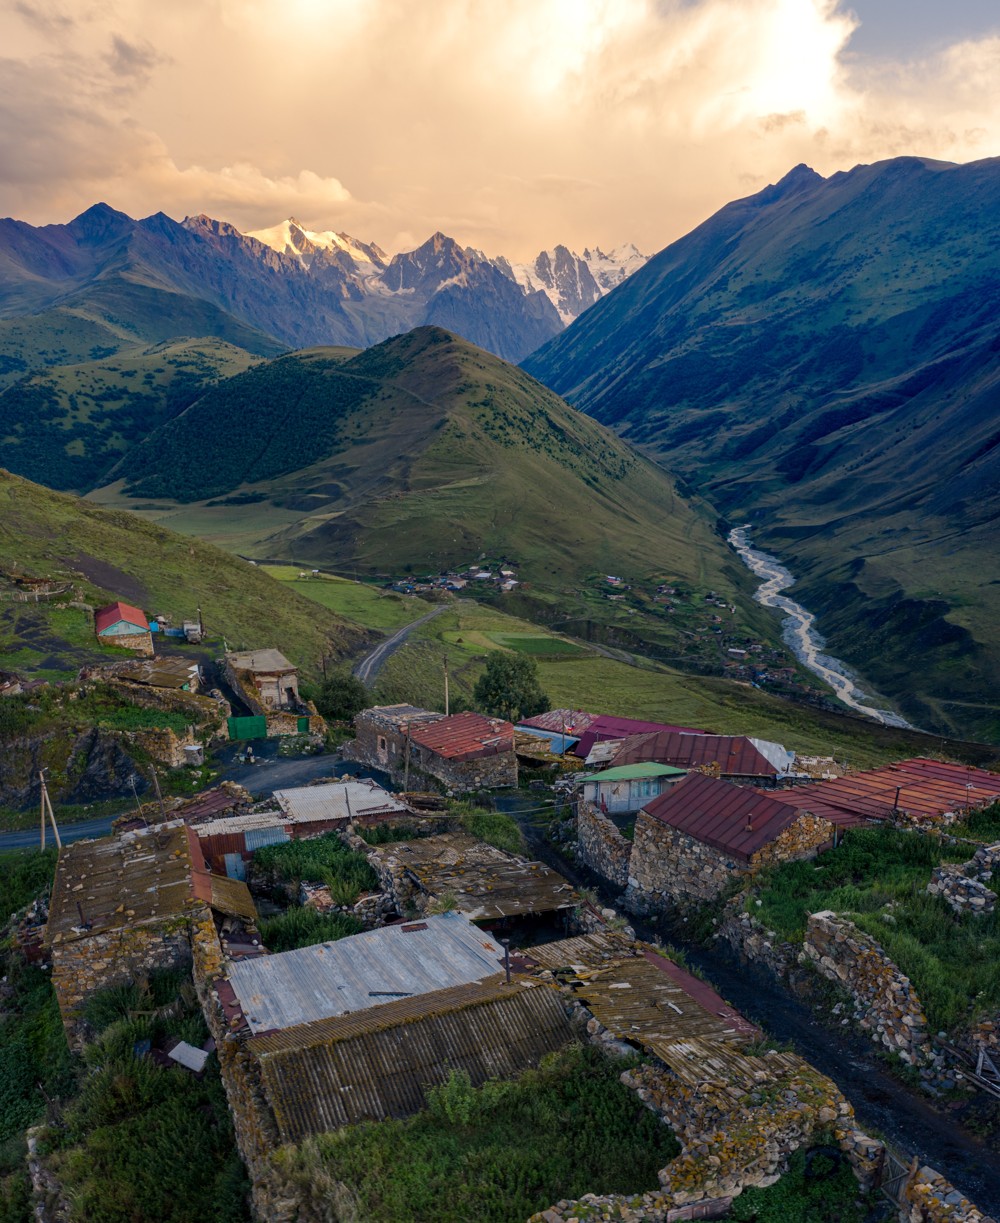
{"x":465,"y":736}
{"x":736,"y":755}
{"x":139,"y":877}
{"x":487,"y":882}
{"x":161,"y":672}
{"x":337,"y":800}
{"x":379,"y":1065}
{"x":605,"y":726}
{"x":735,"y":819}
{"x":363,"y":971}
{"x":211,"y":803}
{"x":921,"y":788}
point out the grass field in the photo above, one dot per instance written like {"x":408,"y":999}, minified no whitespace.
{"x":370,"y":606}
{"x":588,"y":680}
{"x":536,"y":644}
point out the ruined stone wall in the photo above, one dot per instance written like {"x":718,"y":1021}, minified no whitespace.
{"x":161,"y":743}
{"x":253,"y":1122}
{"x":964,"y":887}
{"x":283,"y":722}
{"x":670,"y":870}
{"x":463,"y":776}
{"x":929,"y":1198}
{"x":82,"y":966}
{"x":803,"y":838}
{"x":600,"y":845}
{"x":141,"y":643}
{"x":885,"y":1003}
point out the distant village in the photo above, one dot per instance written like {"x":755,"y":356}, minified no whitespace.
{"x":470,"y":956}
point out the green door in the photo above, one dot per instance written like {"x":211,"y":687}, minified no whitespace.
{"x":303,"y":726}
{"x":248,"y":728}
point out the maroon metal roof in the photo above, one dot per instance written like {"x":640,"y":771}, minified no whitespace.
{"x":736,"y":819}
{"x":735,"y":755}
{"x":104,"y":617}
{"x":572,"y":721}
{"x":921,"y":788}
{"x":465,"y":736}
{"x":605,"y":726}
{"x":207,"y":805}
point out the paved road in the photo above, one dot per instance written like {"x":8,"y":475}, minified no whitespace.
{"x":28,"y":838}
{"x":369,"y":667}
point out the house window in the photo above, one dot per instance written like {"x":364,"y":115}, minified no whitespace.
{"x":382,"y":745}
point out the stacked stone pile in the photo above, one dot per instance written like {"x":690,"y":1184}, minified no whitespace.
{"x":962,"y":892}
{"x":929,"y":1198}
{"x":885,"y":1003}
{"x":750,"y":937}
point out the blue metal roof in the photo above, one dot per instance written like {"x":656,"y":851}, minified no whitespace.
{"x":558,"y":742}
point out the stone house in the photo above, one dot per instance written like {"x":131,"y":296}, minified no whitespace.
{"x":466,"y":751}
{"x":122,"y":625}
{"x":265,"y":679}
{"x":692,"y":841}
{"x":123,"y":906}
{"x":623,"y":790}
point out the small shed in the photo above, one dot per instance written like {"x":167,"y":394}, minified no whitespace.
{"x":629,"y":787}
{"x":121,"y":624}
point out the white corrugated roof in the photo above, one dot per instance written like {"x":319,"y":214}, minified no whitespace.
{"x":363,"y":971}
{"x":337,"y":800}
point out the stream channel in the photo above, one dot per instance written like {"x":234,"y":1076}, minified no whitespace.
{"x":799,"y":630}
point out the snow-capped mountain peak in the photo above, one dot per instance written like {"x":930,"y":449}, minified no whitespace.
{"x":573,"y":282}
{"x":291,"y":238}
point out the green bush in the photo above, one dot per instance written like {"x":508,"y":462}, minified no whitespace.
{"x":494,"y":1154}
{"x":305,"y":927}
{"x":24,"y":874}
{"x":494,"y":827}
{"x":324,"y":859}
{"x":822,"y":1194}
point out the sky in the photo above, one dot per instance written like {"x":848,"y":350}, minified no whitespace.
{"x":509,"y":124}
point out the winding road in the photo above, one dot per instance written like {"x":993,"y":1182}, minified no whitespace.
{"x":368,"y":668}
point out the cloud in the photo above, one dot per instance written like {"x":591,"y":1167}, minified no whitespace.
{"x":512,"y":126}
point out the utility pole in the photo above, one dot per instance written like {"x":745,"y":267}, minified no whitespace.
{"x":446,"y":709}
{"x":406,"y":761}
{"x":47,"y":810}
{"x":159,"y":796}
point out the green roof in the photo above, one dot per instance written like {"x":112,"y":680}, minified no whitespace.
{"x":626,"y":772}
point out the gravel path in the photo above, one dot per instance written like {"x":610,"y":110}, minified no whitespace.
{"x":369,"y":667}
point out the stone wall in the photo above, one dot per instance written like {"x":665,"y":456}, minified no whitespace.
{"x":670,"y":870}
{"x":600,"y":846}
{"x":737,"y":1125}
{"x":964,"y":887}
{"x":161,"y":743}
{"x":463,"y":776}
{"x":885,"y":1003}
{"x":141,"y":643}
{"x":929,"y":1198}
{"x":82,"y":966}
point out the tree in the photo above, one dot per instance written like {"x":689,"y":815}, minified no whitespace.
{"x":341,"y":696}
{"x":509,"y":687}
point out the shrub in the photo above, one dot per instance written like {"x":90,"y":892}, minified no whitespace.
{"x":325,"y":859}
{"x":304,"y":927}
{"x":494,"y":827}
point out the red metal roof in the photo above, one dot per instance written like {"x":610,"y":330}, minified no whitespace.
{"x":923,"y":789}
{"x":465,"y":736}
{"x":735,"y":755}
{"x":736,"y":819}
{"x":572,"y":721}
{"x":605,"y":726}
{"x":104,"y":617}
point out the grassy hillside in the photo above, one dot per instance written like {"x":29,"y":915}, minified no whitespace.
{"x":109,"y":555}
{"x":421,"y":454}
{"x":821,"y":359}
{"x":67,"y":425}
{"x":584,"y":679}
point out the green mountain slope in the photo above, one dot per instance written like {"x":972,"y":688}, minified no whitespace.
{"x":425,"y":453}
{"x":822,"y":360}
{"x":110,"y":554}
{"x":67,"y":425}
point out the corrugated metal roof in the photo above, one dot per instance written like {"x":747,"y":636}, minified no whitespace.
{"x":568,"y":721}
{"x":397,"y":717}
{"x":104,"y":617}
{"x":736,"y":819}
{"x":370,"y":1073}
{"x":735,"y":755}
{"x":260,"y":662}
{"x":161,"y":672}
{"x":487,"y":883}
{"x":337,"y":800}
{"x":631,"y":772}
{"x":927,"y":789}
{"x":120,"y":881}
{"x":465,"y":736}
{"x":210,"y":803}
{"x":557,"y":741}
{"x":606,"y":726}
{"x":363,"y":971}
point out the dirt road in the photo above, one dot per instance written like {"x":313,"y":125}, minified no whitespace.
{"x":368,"y":668}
